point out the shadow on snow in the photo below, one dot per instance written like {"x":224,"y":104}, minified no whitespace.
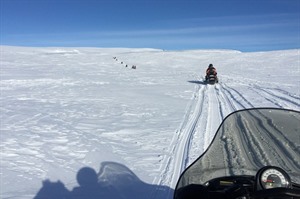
{"x":197,"y":82}
{"x":114,"y":181}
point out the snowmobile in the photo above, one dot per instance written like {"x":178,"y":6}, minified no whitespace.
{"x":212,"y":79}
{"x":255,"y":154}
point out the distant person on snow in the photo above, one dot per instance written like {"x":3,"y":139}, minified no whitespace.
{"x":211,"y":70}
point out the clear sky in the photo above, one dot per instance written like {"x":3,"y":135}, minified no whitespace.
{"x":245,"y":25}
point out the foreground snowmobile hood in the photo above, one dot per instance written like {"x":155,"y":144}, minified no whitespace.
{"x":245,"y":142}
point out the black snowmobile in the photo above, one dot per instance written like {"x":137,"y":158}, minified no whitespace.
{"x":255,"y":154}
{"x":211,"y":77}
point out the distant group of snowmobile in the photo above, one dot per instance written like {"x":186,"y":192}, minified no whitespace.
{"x":126,"y":65}
{"x":210,"y":76}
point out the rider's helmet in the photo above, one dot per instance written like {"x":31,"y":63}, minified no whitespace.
{"x":210,"y":65}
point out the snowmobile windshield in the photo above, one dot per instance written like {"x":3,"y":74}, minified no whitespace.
{"x":246,"y":141}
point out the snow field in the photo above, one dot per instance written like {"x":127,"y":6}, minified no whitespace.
{"x":65,"y":109}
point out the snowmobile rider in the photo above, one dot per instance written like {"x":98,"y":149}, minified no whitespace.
{"x":211,"y":70}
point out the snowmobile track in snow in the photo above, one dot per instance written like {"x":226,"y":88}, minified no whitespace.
{"x":182,"y":139}
{"x":237,"y":96}
{"x":204,"y":113}
{"x":278,"y":97}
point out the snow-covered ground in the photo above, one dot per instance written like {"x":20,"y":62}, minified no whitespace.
{"x":71,"y":114}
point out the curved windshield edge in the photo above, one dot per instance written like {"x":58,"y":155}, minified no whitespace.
{"x":246,"y":141}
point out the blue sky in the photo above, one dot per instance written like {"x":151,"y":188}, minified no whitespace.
{"x":245,"y":25}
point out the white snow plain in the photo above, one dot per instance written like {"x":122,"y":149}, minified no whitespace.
{"x":70,"y":114}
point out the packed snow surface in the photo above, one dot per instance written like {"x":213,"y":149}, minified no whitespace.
{"x":74,"y":116}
